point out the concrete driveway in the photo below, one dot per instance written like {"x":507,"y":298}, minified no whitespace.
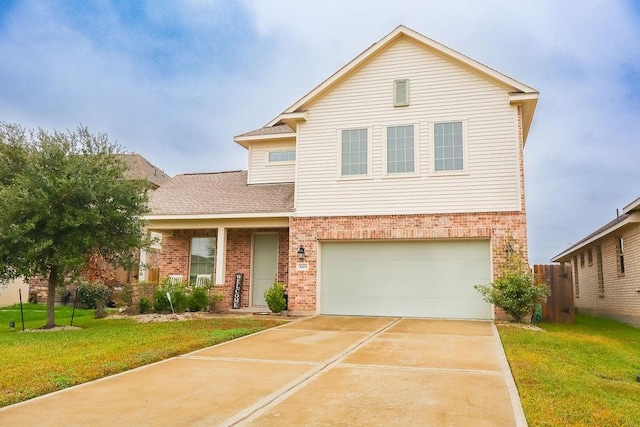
{"x":319,"y":371}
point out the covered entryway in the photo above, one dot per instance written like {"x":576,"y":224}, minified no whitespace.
{"x":405,"y":278}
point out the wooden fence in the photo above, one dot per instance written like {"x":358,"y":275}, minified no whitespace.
{"x":559,"y":306}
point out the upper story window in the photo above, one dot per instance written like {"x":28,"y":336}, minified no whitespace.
{"x":448,"y":146}
{"x":400,"y":149}
{"x":354,"y":152}
{"x":581,"y":259}
{"x":590,"y":257}
{"x":401,"y":93}
{"x":282,"y":156}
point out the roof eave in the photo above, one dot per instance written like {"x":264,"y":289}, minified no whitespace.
{"x":566,"y":255}
{"x":240,"y":215}
{"x":632,"y":207}
{"x":528,"y":101}
{"x":246,"y":140}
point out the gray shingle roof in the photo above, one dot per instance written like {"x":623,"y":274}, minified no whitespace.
{"x":141,"y":168}
{"x":219,"y":193}
{"x":270,"y":130}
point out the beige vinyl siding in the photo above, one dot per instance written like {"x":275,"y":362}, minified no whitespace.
{"x":439,"y":91}
{"x":261,"y":171}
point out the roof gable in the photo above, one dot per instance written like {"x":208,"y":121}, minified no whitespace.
{"x":520,"y":93}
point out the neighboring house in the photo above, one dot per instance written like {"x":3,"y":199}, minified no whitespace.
{"x":392,"y":188}
{"x":139,"y":168}
{"x":10,"y":292}
{"x":606,"y":268}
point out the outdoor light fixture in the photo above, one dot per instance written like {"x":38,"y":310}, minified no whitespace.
{"x":509,"y":250}
{"x":301,"y":253}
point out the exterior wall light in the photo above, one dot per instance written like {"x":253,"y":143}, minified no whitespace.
{"x":509,"y":250}
{"x":301,"y":254}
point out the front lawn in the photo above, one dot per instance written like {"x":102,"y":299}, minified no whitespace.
{"x":38,"y":363}
{"x":577,"y":375}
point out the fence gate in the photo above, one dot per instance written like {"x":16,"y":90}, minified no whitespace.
{"x":559,"y":306}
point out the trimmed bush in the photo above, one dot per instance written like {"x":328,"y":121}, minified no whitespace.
{"x":91,"y":294}
{"x":516,"y":293}
{"x":199,"y":298}
{"x":145,"y":305}
{"x":275,"y":297}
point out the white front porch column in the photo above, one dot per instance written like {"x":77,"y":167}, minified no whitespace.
{"x":221,"y":255}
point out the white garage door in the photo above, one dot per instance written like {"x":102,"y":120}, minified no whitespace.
{"x":415,"y":279}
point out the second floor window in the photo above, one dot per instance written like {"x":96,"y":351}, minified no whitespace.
{"x":400,"y":149}
{"x":448,"y":147}
{"x":282,"y":156}
{"x":354,"y":152}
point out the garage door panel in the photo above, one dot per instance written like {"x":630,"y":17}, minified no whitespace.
{"x":421,"y":279}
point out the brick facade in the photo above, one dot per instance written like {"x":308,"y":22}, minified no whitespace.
{"x":174,"y":257}
{"x":499,"y":227}
{"x":620,"y":299}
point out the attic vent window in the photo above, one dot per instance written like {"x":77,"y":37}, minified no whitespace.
{"x":401,"y":93}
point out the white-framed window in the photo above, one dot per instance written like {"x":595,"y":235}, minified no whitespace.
{"x":400,"y":149}
{"x":282,"y":156}
{"x":202,"y":259}
{"x":620,"y":255}
{"x":401,"y":93}
{"x":599,"y":271}
{"x":449,"y":146}
{"x":354,"y":152}
{"x":576,"y":280}
{"x":156,"y":240}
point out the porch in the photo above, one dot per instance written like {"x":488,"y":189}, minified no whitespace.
{"x":219,"y":250}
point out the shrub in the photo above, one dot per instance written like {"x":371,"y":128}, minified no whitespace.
{"x":515,"y":292}
{"x":33,"y":297}
{"x":124,"y":297}
{"x":179,"y":298}
{"x":91,"y":294}
{"x":198,"y":298}
{"x":275,"y":297}
{"x":145,"y":305}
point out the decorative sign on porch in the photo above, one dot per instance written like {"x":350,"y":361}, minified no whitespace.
{"x":237,"y":290}
{"x":302,"y":266}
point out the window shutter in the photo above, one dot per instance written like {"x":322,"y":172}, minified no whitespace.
{"x":401,"y":93}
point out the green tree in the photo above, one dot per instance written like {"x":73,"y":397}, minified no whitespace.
{"x":515,"y":290}
{"x":63,"y":195}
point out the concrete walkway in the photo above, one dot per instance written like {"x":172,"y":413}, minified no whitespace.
{"x":320,"y":371}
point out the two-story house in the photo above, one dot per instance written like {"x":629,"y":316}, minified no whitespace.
{"x":392,"y":188}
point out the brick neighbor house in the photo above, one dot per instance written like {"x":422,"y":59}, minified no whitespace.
{"x":606,"y":268}
{"x":392,"y":188}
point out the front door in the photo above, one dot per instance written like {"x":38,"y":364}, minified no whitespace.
{"x":265,"y":266}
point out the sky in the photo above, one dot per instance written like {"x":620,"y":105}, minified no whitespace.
{"x":176,"y":80}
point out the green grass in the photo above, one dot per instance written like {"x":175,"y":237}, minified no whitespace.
{"x":38,"y":363}
{"x":577,"y":375}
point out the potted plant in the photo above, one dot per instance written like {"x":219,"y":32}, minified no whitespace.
{"x":216,"y":302}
